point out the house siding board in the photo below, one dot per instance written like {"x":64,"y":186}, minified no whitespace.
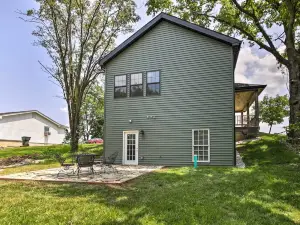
{"x":196,"y":93}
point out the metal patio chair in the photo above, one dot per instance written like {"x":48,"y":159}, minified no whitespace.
{"x":85,"y":161}
{"x":99,"y":160}
{"x":108,"y":163}
{"x":65,"y":167}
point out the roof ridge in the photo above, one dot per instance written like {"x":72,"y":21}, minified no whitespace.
{"x":34,"y":111}
{"x":177,"y":21}
{"x":210,"y":30}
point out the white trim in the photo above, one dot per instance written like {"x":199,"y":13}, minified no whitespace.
{"x":136,"y":162}
{"x":208,"y":144}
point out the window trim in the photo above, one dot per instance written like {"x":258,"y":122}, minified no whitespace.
{"x":159,"y":71}
{"x":208,"y":145}
{"x":136,"y":84}
{"x":120,"y":86}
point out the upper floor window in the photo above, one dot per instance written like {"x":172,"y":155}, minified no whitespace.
{"x":136,"y":84}
{"x":120,"y":86}
{"x":153,"y":83}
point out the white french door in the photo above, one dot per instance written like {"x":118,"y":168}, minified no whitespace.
{"x":130,"y":147}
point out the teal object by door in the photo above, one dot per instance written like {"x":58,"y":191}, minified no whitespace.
{"x":195,"y":161}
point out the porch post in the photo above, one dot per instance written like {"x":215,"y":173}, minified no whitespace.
{"x":256,"y":109}
{"x":242,"y":118}
{"x":248,"y":115}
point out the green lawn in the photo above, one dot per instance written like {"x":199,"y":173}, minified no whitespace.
{"x":267,"y":151}
{"x":39,"y":150}
{"x":266,"y":192}
{"x":30,"y":167}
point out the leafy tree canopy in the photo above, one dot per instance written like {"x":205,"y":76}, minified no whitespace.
{"x":93,"y":113}
{"x":250,"y":19}
{"x":273,"y":110}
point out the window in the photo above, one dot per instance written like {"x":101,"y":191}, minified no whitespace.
{"x":136,"y":84}
{"x":46,"y":129}
{"x":201,"y":145}
{"x":153,"y":83}
{"x":120,"y":86}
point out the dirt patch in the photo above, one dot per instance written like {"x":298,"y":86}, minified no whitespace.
{"x":24,"y":159}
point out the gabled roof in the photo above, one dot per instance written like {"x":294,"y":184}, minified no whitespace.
{"x":182,"y":23}
{"x":32,"y":111}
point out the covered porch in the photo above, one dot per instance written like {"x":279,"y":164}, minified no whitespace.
{"x":247,"y":110}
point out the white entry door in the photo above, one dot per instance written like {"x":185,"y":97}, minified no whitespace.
{"x":130,"y":147}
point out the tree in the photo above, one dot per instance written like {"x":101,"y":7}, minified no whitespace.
{"x":254,"y":20}
{"x":75,"y":35}
{"x":97,"y":127}
{"x":67,"y":137}
{"x":93,"y":113}
{"x":273,"y":110}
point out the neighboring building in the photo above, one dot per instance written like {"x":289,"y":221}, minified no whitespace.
{"x":34,"y":124}
{"x":169,"y":95}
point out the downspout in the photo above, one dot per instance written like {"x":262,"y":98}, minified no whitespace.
{"x":104,"y":123}
{"x":234,"y":60}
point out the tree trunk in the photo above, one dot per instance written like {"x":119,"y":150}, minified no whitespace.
{"x":74,"y":134}
{"x":74,"y":117}
{"x":294,"y":83}
{"x":270,"y":128}
{"x":74,"y":143}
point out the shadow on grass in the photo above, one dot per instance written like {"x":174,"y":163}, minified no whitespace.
{"x":186,"y":196}
{"x":266,"y":192}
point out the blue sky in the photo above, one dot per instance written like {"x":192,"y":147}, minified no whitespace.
{"x":24,"y":86}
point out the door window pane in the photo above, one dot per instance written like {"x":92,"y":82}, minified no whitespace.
{"x":131,"y":147}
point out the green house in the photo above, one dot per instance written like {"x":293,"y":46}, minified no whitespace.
{"x":170,"y":95}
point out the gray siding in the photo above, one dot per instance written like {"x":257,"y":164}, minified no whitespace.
{"x":196,"y":93}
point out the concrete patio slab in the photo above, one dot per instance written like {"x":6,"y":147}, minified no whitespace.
{"x":124,"y":174}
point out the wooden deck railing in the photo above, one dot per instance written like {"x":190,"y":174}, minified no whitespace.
{"x":239,"y":122}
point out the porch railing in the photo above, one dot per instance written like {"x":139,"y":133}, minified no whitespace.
{"x":243,"y":123}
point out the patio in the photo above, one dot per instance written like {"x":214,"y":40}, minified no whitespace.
{"x":124,"y":174}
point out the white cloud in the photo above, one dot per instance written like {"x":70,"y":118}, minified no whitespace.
{"x":64,"y":109}
{"x":253,"y":69}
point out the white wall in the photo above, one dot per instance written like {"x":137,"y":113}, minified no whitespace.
{"x":31,"y":125}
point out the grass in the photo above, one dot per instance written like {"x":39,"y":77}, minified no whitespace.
{"x":31,"y":167}
{"x":266,"y":192}
{"x":39,"y":150}
{"x":267,"y":151}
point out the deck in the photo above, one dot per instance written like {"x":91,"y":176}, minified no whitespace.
{"x":246,"y":116}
